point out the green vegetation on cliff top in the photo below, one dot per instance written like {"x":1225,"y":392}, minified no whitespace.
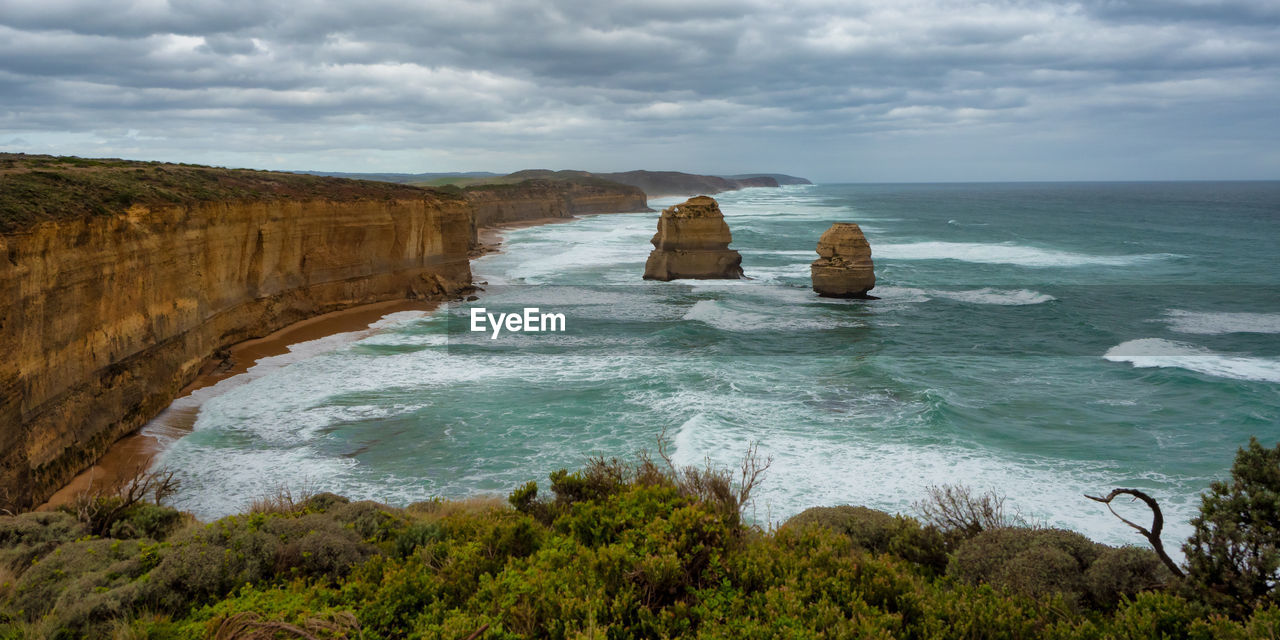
{"x":38,"y":188}
{"x":626,"y":550}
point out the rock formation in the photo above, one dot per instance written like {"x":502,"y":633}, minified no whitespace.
{"x":844,"y":268}
{"x":693,"y":242}
{"x":108,"y":314}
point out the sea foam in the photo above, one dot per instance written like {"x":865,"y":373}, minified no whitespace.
{"x":1006,"y":297}
{"x":1217,"y":323}
{"x":1004,"y":253}
{"x":1158,"y":352}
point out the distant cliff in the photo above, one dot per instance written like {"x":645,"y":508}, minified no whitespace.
{"x":534,"y":199}
{"x":780,"y":178}
{"x":122,"y":279}
{"x":674,"y":183}
{"x":653,"y":183}
{"x":658,"y":183}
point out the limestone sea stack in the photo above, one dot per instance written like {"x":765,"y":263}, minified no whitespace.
{"x":693,"y":242}
{"x":844,"y":268}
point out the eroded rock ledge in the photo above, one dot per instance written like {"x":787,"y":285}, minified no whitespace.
{"x":693,"y":242}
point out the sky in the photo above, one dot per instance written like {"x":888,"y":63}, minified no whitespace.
{"x":866,"y":91}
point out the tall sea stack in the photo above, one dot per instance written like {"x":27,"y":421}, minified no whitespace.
{"x":693,"y":242}
{"x":844,"y":268}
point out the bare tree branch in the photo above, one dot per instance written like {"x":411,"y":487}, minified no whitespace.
{"x":1157,"y":522}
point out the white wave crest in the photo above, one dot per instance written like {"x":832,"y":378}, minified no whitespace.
{"x":1217,"y":323}
{"x":1157,"y":352}
{"x":987,"y":295}
{"x":713,"y":313}
{"x":1004,"y":253}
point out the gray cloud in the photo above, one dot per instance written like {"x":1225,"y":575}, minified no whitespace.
{"x":883,"y":90}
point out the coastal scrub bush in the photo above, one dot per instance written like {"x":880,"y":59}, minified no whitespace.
{"x":210,"y":561}
{"x":373,"y":521}
{"x":322,"y":502}
{"x":880,"y":532}
{"x":961,"y":513}
{"x":101,"y":508}
{"x":27,"y":536}
{"x":631,"y":551}
{"x":66,"y":574}
{"x":146,"y":520}
{"x":315,"y":545}
{"x":1233,"y":554}
{"x":1123,"y":572}
{"x":1028,"y":562}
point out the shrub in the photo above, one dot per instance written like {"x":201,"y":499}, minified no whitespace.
{"x":1233,"y":554}
{"x":1029,"y":562}
{"x":417,"y":535}
{"x":957,"y":510}
{"x":28,"y":536}
{"x":101,"y":508}
{"x":1155,"y":615}
{"x":72,"y":569}
{"x":315,"y":545}
{"x":8,"y":579}
{"x":146,"y":520}
{"x":283,"y":500}
{"x":1123,"y":573}
{"x":322,"y":502}
{"x":210,"y":561}
{"x":373,"y":521}
{"x":880,"y":532}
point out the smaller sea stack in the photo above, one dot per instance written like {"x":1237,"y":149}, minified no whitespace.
{"x":693,"y":242}
{"x":844,"y":268}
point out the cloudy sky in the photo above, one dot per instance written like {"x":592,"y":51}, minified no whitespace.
{"x":860,"y":90}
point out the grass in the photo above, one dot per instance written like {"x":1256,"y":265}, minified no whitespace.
{"x":39,"y":188}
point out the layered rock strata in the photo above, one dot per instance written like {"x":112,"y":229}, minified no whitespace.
{"x":536,"y":199}
{"x":106,"y":318}
{"x":843,"y":268}
{"x":693,"y":242}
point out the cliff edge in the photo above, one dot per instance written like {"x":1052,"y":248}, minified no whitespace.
{"x":121,"y":279}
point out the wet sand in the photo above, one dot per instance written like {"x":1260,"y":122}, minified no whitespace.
{"x":135,"y":452}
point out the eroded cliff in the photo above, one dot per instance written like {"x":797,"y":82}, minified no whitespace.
{"x":535,"y":199}
{"x":107,"y":315}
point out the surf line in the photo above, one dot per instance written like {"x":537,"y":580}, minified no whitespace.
{"x":531,"y":320}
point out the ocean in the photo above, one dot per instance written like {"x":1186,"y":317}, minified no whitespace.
{"x":1040,"y":340}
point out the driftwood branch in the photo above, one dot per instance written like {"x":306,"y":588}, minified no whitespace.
{"x":1157,"y":522}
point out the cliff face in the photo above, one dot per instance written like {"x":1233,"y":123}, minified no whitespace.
{"x":107,"y":317}
{"x":778,"y":178}
{"x":675,"y":183}
{"x":693,"y":242}
{"x":843,"y":268}
{"x":534,"y":199}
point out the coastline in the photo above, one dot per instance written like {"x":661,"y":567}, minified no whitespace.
{"x":489,"y":239}
{"x":137,"y":450}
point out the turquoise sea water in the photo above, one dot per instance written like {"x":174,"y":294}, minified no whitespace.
{"x":1043,"y":340}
